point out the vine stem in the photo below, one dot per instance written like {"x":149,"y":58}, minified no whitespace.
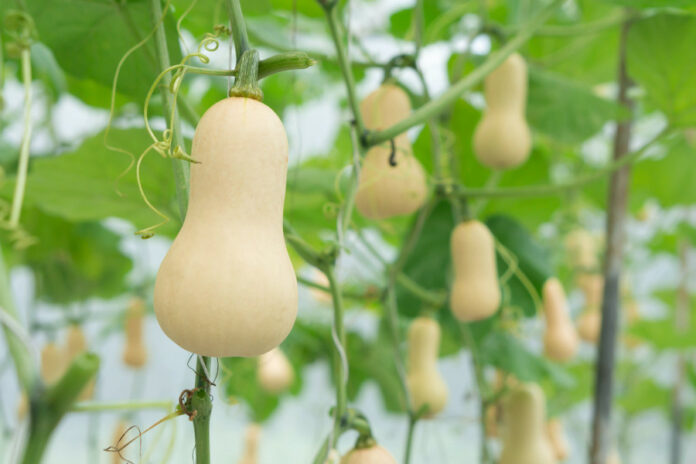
{"x":239,"y":31}
{"x":120,"y":406}
{"x":681,"y":323}
{"x":547,"y":190}
{"x":181,"y":167}
{"x":615,"y":225}
{"x":339,"y":336}
{"x":20,"y":186}
{"x":442,"y":103}
{"x":344,"y":63}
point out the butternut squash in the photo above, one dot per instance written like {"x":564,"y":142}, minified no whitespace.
{"x":502,"y":139}
{"x":389,"y":186}
{"x":614,"y":457}
{"x":320,"y":295}
{"x":558,"y":439}
{"x":475,"y":291}
{"x":75,"y":344}
{"x":135,"y":352}
{"x":274,"y":373}
{"x":22,"y":406}
{"x":525,"y":440}
{"x":426,"y":386}
{"x":53,"y":363}
{"x":581,"y":249}
{"x":371,"y":455}
{"x":560,"y":339}
{"x":589,"y":322}
{"x":492,"y":419}
{"x":119,"y":439}
{"x":251,"y":445}
{"x":227,"y":287}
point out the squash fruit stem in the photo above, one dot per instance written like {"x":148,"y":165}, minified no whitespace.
{"x":247,"y":83}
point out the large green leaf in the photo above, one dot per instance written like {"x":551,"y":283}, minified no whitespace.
{"x":565,"y":110}
{"x":73,"y":261}
{"x":89,"y":38}
{"x":84,"y":185}
{"x":662,"y":59}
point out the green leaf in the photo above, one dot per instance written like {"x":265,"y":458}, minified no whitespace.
{"x":84,"y":185}
{"x":645,"y":395}
{"x":663,"y":335}
{"x":565,"y":110}
{"x":662,"y":59}
{"x":651,"y":4}
{"x":88,"y":39}
{"x":73,"y":261}
{"x":239,"y":379}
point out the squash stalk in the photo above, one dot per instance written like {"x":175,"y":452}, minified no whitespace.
{"x":247,"y":83}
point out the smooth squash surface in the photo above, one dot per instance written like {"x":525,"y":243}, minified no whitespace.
{"x":525,"y":440}
{"x":251,"y":445}
{"x":389,"y":189}
{"x":227,"y":287}
{"x":589,"y":322}
{"x":560,"y":338}
{"x":502,"y":139}
{"x":275,"y":373}
{"x":425,"y":383}
{"x":558,"y":440}
{"x":135,"y":352}
{"x":475,"y":292}
{"x":372,"y":455}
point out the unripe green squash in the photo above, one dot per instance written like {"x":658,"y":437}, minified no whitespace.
{"x":560,"y":338}
{"x":227,"y":287}
{"x":425,"y":383}
{"x":475,"y":291}
{"x":387,"y":189}
{"x":502,"y":139}
{"x":525,"y":440}
{"x":371,"y":455}
{"x":274,"y":373}
{"x":135,"y":352}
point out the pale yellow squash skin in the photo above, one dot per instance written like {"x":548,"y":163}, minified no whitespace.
{"x":251,"y":445}
{"x":135,"y":352}
{"x":426,"y":385}
{"x":491,"y":421}
{"x":120,"y":438}
{"x":560,"y":338}
{"x":385,"y":191}
{"x":274,"y":373}
{"x":525,"y":440}
{"x":22,"y":406}
{"x":227,"y":287}
{"x":475,"y":291}
{"x":614,"y":457}
{"x":589,"y":322}
{"x":372,"y":455}
{"x":581,"y":249}
{"x":558,"y":439}
{"x":75,"y":344}
{"x":502,"y":139}
{"x":53,"y":363}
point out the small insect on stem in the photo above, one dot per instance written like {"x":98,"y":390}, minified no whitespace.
{"x":392,"y":155}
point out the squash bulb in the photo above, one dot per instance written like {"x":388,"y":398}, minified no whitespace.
{"x":274,"y":373}
{"x":251,"y":445}
{"x":389,"y":187}
{"x":557,"y":438}
{"x":525,"y":440}
{"x":76,"y":344}
{"x":371,"y":455}
{"x":560,"y":339}
{"x":475,"y":291}
{"x":589,"y":323}
{"x":53,"y":363}
{"x":135,"y":353}
{"x":425,"y":384}
{"x":502,"y":139}
{"x":581,"y":250}
{"x":227,"y":287}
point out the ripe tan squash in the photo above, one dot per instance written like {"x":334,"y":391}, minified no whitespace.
{"x":274,"y":373}
{"x":227,"y":287}
{"x":525,"y":440}
{"x":475,"y":291}
{"x":614,"y":457}
{"x":53,"y":363}
{"x":558,"y":439}
{"x":589,"y":322}
{"x":502,"y":139}
{"x":492,"y":419}
{"x":75,"y":344}
{"x":581,"y":250}
{"x":387,"y":189}
{"x":370,"y":455}
{"x":119,"y":439}
{"x":251,"y":445}
{"x":22,"y":406}
{"x":135,"y":352}
{"x":426,"y":385}
{"x":560,"y":338}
